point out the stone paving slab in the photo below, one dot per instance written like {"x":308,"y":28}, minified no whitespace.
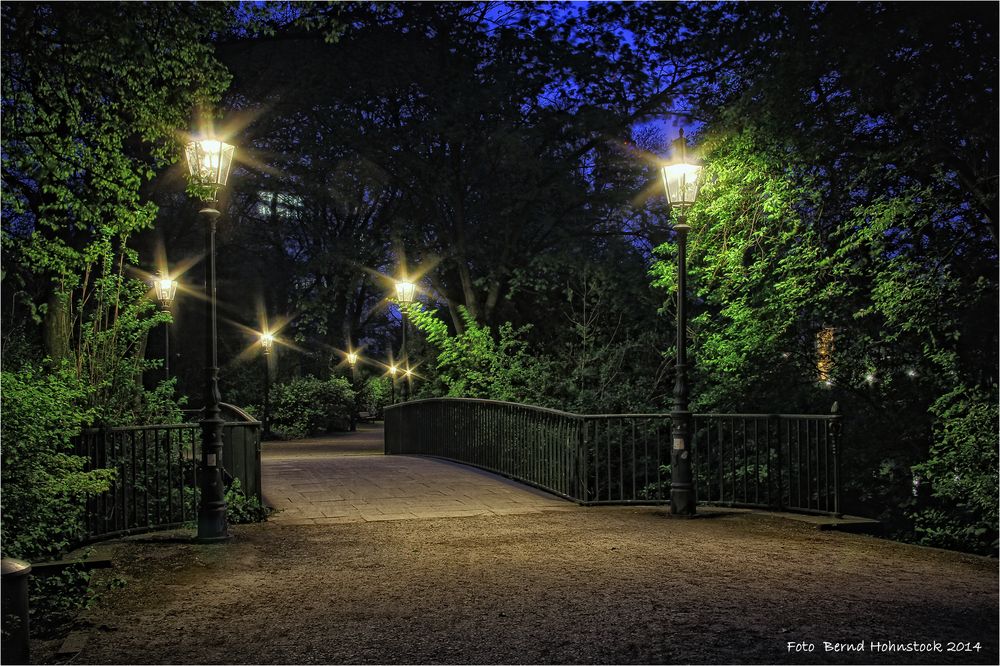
{"x":345,"y":478}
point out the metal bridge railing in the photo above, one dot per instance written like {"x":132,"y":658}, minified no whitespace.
{"x":156,"y":481}
{"x":778,"y":461}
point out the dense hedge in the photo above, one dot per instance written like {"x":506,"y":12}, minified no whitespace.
{"x":308,"y":406}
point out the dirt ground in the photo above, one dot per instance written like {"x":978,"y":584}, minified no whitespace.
{"x":590,"y":585}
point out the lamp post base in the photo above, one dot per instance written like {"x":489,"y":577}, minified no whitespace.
{"x":682,"y":502}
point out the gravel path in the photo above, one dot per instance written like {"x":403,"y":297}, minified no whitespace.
{"x":399,"y":559}
{"x":590,"y":585}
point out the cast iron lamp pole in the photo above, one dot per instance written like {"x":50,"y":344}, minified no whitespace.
{"x":165,"y":291}
{"x":209,"y":162}
{"x":404,"y":296}
{"x":681,"y":182}
{"x":352,"y":360}
{"x":266,"y":342}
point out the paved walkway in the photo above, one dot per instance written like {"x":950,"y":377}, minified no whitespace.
{"x":345,"y":478}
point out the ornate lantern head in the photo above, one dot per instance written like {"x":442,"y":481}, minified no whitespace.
{"x":681,"y":176}
{"x":209,"y":161}
{"x":166,"y":289}
{"x":405,"y":291}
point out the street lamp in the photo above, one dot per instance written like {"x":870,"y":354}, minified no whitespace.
{"x":352,"y":360}
{"x":166,"y":289}
{"x":681,"y":180}
{"x":209,"y":161}
{"x":404,"y":296}
{"x":267,"y":343}
{"x":392,"y":373}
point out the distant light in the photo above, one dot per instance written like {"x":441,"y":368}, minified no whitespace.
{"x":352,"y":358}
{"x":824,"y":353}
{"x":266,"y":341}
{"x":393,"y":370}
{"x":911,"y":373}
{"x":405,"y":291}
{"x":870,"y":378}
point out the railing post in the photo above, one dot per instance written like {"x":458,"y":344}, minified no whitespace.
{"x":835,"y":431}
{"x":774,"y":441}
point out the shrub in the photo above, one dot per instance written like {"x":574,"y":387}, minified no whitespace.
{"x":44,"y":484}
{"x":308,"y":406}
{"x":241,"y":508}
{"x":962,"y":470}
{"x":478,"y":363}
{"x":376,"y":394}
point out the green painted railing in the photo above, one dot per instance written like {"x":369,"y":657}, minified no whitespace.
{"x":779,"y":461}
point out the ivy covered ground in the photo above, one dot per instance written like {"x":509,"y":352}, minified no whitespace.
{"x":589,"y":585}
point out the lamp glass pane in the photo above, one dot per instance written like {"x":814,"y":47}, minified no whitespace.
{"x":165,"y":290}
{"x":404,"y":292}
{"x":209,"y":161}
{"x":681,"y":182}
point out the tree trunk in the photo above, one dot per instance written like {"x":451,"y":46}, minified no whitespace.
{"x":57,"y":326}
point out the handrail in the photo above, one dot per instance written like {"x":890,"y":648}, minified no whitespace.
{"x":631,"y":415}
{"x":784,"y":461}
{"x":245,"y":418}
{"x":483,"y":401}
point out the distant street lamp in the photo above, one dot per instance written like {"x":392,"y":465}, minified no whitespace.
{"x":267,"y":343}
{"x":352,"y":360}
{"x":166,"y":289}
{"x":209,"y":162}
{"x":392,"y":374}
{"x":404,"y":296}
{"x":681,"y":180}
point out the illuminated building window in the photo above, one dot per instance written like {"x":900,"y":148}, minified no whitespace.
{"x":824,"y":354}
{"x":277,"y":204}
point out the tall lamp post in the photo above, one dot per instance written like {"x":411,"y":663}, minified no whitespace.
{"x":392,"y":383}
{"x":209,"y":162}
{"x":404,"y":296}
{"x":681,"y":180}
{"x":266,"y":343}
{"x":166,"y":289}
{"x":352,"y":360}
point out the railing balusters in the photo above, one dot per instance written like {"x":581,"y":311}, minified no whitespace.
{"x":575,"y":456}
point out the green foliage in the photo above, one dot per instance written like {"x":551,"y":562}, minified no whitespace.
{"x":242,"y":509}
{"x":475,"y":364}
{"x":44,"y":484}
{"x":96,"y":95}
{"x":962,"y":473}
{"x":308,"y":406}
{"x":376,"y":394}
{"x":56,"y":598}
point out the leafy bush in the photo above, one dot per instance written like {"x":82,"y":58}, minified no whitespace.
{"x":308,"y":406}
{"x":241,"y":508}
{"x":475,"y":364}
{"x":962,"y":470}
{"x":376,"y":394}
{"x":44,"y":484}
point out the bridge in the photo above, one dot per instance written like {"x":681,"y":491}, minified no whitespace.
{"x":405,"y":558}
{"x":345,"y":478}
{"x":782,"y":462}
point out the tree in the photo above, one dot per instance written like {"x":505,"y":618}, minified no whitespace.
{"x":94,"y":96}
{"x":839,"y":204}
